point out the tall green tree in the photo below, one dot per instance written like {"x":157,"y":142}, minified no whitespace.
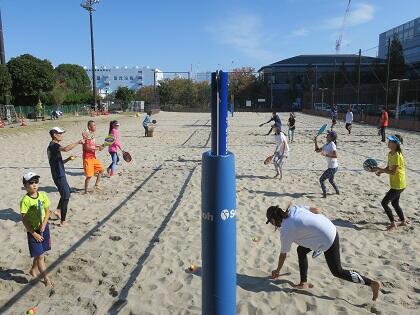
{"x":125,"y":95}
{"x":5,"y":81}
{"x":31,"y":78}
{"x":146,"y":94}
{"x":397,"y":61}
{"x":74,"y":77}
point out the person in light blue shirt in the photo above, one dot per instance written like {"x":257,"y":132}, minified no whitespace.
{"x":146,"y":122}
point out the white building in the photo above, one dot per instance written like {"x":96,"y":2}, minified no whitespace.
{"x":109,"y":79}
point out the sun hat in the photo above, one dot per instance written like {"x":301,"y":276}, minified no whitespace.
{"x":394,"y":139}
{"x":56,"y":130}
{"x":333,"y":134}
{"x":29,"y":176}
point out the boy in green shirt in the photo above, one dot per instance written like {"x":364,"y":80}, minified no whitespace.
{"x":34,"y":208}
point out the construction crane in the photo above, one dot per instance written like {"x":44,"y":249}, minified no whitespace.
{"x":343,"y":25}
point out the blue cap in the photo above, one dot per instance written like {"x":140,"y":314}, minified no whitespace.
{"x":332,"y":134}
{"x":394,"y":139}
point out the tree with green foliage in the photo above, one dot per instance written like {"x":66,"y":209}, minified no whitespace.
{"x":5,"y":81}
{"x":146,"y":94}
{"x":125,"y":95}
{"x":183,"y":94}
{"x":397,"y":61}
{"x":74,"y":77}
{"x":31,"y":77}
{"x":241,"y":83}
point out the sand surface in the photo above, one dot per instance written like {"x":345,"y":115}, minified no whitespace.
{"x":128,"y":246}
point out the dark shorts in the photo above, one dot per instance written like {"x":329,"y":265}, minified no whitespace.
{"x":348,"y":125}
{"x":36,"y":249}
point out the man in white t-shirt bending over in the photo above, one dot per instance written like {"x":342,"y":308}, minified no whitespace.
{"x":281,"y":153}
{"x":349,"y":120}
{"x":329,"y":150}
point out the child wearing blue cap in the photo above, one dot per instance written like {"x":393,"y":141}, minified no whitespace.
{"x":329,"y":150}
{"x":396,"y":170}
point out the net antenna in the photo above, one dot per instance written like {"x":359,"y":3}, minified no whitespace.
{"x":343,"y":25}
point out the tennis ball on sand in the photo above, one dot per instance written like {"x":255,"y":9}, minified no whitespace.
{"x":31,"y":311}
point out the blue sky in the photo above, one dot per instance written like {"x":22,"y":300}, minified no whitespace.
{"x":173,"y":34}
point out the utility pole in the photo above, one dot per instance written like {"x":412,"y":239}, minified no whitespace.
{"x":322,"y":96}
{"x":387,"y":73}
{"x":3,"y":55}
{"x":397,"y":109}
{"x":89,"y":6}
{"x":333,"y":90}
{"x":358,"y":78}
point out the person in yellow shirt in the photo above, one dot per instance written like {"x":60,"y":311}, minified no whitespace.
{"x":35,"y":211}
{"x":396,"y":170}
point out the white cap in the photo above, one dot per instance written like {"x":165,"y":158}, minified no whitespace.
{"x":28,"y":176}
{"x":56,"y":130}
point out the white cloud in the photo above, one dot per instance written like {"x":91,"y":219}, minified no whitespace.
{"x":360,"y":14}
{"x":300,"y":32}
{"x":244,"y":32}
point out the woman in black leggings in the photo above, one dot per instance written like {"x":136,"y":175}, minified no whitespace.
{"x":396,"y":171}
{"x":312,"y":231}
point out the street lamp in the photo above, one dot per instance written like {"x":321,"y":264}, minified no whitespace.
{"x":397,"y":110}
{"x":322,"y":96}
{"x":273,"y":78}
{"x":89,"y":6}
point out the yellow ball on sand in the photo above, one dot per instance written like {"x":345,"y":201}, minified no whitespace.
{"x":31,"y":311}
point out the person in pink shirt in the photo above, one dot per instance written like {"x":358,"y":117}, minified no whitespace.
{"x":113,"y":149}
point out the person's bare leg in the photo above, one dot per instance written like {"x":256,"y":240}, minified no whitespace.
{"x":392,"y":227}
{"x":43,"y":271}
{"x":375,"y":286}
{"x":303,"y":285}
{"x":98,"y":179}
{"x":57,"y":213}
{"x":404,"y":223}
{"x":87,"y":180}
{"x":32,"y":271}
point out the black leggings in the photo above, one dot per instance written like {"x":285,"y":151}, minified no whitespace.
{"x":64,"y":190}
{"x":146,"y":131}
{"x":332,"y":256}
{"x":393,"y":196}
{"x":383,"y":133}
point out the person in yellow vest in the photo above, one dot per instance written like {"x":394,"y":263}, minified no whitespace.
{"x":396,"y":170}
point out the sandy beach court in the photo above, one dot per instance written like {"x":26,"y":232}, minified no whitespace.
{"x":128,"y":247}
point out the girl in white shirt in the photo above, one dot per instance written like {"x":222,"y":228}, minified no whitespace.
{"x":312,"y":231}
{"x":329,"y":150}
{"x":281,"y":153}
{"x":349,"y":120}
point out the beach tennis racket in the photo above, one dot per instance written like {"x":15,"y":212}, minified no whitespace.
{"x":40,"y":216}
{"x":370,"y":164}
{"x":109,"y":140}
{"x":268,"y":160}
{"x":126,"y":156}
{"x":321,"y":130}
